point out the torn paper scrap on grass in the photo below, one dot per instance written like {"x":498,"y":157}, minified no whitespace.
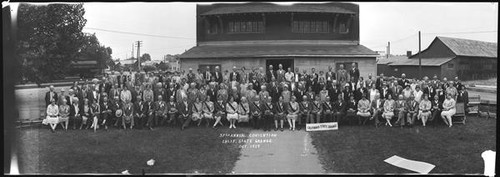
{"x":420,"y":167}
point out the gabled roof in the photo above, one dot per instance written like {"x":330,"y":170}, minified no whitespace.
{"x":425,"y":62}
{"x":268,"y":7}
{"x":467,"y":47}
{"x":282,"y":50}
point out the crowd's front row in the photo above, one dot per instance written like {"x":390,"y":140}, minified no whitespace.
{"x":259,"y":114}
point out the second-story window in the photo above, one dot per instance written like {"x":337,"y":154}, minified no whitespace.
{"x":310,"y":27}
{"x":245,"y":27}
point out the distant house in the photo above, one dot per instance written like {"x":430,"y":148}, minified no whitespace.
{"x":448,"y":57}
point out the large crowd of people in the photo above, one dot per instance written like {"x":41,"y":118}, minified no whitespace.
{"x":261,"y":99}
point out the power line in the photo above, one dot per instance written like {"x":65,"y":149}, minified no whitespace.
{"x":463,"y":32}
{"x":140,"y":34}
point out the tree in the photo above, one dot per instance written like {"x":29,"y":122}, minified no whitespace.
{"x":49,"y":39}
{"x":145,"y":57}
{"x":163,"y":66}
{"x":91,"y":49}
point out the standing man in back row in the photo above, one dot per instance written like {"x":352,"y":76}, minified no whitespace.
{"x":354,"y":73}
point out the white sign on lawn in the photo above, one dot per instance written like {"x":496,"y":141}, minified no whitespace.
{"x":322,"y":126}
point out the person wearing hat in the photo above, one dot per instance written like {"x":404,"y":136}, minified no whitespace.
{"x":363,"y":109}
{"x":71,"y":96}
{"x":330,"y":75}
{"x":403,"y":81}
{"x":346,"y":92}
{"x":148,"y":93}
{"x":412,"y":109}
{"x":75,"y":112}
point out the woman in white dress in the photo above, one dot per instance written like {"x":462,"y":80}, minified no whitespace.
{"x":243,"y":110}
{"x":388,"y":110}
{"x":293,"y":112}
{"x":52,"y":118}
{"x":424,"y":111}
{"x":232,"y":114}
{"x":449,"y":109}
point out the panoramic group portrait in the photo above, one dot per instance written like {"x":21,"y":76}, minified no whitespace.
{"x":250,"y":88}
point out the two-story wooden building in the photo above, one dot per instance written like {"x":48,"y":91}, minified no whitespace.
{"x":256,"y":35}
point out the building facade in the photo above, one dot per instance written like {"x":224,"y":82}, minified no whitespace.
{"x":257,"y":35}
{"x":447,"y":57}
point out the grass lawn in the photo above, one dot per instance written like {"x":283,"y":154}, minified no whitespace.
{"x":355,"y":149}
{"x":492,"y":82}
{"x":83,"y":151}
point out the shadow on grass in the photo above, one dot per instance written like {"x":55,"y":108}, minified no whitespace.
{"x":363,"y":149}
{"x":83,"y":151}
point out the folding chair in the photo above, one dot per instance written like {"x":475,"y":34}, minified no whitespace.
{"x":459,"y":116}
{"x":474,"y":104}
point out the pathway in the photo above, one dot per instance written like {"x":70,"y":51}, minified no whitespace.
{"x":288,"y":153}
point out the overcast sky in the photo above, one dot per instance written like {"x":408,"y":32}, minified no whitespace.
{"x":172,"y":25}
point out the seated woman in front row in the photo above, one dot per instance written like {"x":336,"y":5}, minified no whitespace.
{"x":363,"y":108}
{"x":232,"y":115}
{"x":448,"y":110}
{"x":52,"y":118}
{"x":424,"y":111}
{"x":388,"y":110}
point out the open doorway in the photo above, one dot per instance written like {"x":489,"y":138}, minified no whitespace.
{"x":287,"y":63}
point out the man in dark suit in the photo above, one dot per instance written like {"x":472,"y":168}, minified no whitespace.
{"x":328,"y":110}
{"x":403,"y":81}
{"x":330,"y":75}
{"x":270,"y":74}
{"x":120,"y":79}
{"x":184,"y":109}
{"x":339,"y":108}
{"x":234,"y":76}
{"x":217,"y":75}
{"x":354,"y":72}
{"x":140,"y":111}
{"x":379,"y":82}
{"x":313,"y":80}
{"x":50,"y":96}
{"x":384,"y":92}
{"x":275,"y":91}
{"x":299,"y":93}
{"x":207,"y":75}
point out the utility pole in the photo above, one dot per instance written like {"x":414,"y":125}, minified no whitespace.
{"x":388,"y":49}
{"x":419,"y":58}
{"x":132,"y":56}
{"x":139,"y":55}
